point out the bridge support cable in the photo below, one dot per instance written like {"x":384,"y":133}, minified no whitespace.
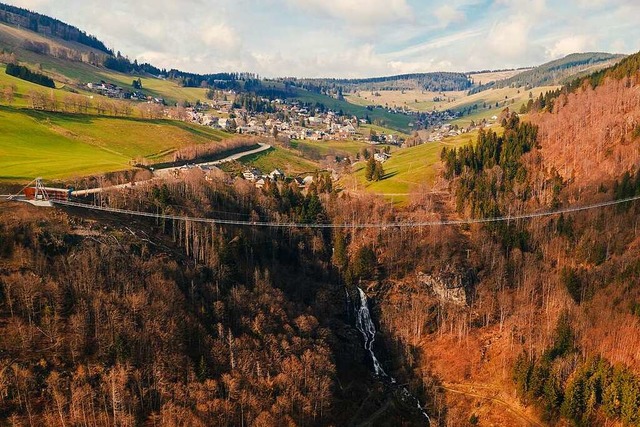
{"x":408,"y":224}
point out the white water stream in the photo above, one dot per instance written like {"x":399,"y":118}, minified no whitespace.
{"x":365,"y":325}
{"x":367,"y":328}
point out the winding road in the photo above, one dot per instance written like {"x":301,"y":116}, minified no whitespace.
{"x":236,"y":156}
{"x":163,"y":173}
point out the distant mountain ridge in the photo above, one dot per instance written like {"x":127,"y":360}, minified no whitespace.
{"x":48,"y":26}
{"x":432,"y":81}
{"x":556,"y":72}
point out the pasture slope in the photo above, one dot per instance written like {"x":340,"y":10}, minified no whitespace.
{"x":407,"y":169}
{"x":59,"y":146}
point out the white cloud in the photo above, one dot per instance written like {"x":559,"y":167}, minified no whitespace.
{"x":527,"y":7}
{"x":220,"y":36}
{"x":447,"y":14}
{"x":437,"y":43}
{"x":511,"y":38}
{"x":350,"y":37}
{"x":359,"y":12}
{"x":571,"y":44}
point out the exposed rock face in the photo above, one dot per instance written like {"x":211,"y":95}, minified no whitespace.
{"x":448,"y":285}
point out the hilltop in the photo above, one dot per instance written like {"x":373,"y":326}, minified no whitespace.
{"x":557,"y":72}
{"x":470,"y":97}
{"x":49,"y":27}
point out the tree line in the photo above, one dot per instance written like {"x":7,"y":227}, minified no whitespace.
{"x":583,"y":392}
{"x":46,"y":25}
{"x":554,"y":72}
{"x":24,"y":73}
{"x":122,"y":64}
{"x":436,"y":82}
{"x":473,"y":164}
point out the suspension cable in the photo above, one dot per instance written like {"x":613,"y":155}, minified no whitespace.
{"x":467,"y":221}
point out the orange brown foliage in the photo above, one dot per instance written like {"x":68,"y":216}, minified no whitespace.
{"x":591,"y":135}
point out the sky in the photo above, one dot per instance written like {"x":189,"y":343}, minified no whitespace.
{"x":350,"y":38}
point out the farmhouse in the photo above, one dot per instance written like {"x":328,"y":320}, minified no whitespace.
{"x":252,"y":174}
{"x":381,"y":157}
{"x":276,"y":174}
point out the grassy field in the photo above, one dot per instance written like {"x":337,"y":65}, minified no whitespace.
{"x":365,"y":129}
{"x":288,"y":160}
{"x":321,"y":149}
{"x":167,"y":89}
{"x":12,"y":39}
{"x":415,"y":100}
{"x":424,"y":101}
{"x":409,"y":167}
{"x":421,"y":100}
{"x":59,"y":146}
{"x":23,"y":87}
{"x":490,"y":97}
{"x":77,"y":74}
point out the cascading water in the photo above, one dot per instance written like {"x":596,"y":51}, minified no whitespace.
{"x":367,"y":328}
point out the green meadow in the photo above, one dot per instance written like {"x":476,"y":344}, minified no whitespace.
{"x":288,"y":160}
{"x":410,"y":167}
{"x":59,"y":146}
{"x":320,"y":149}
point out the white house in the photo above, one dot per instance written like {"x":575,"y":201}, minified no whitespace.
{"x":224,"y":123}
{"x":276,"y":174}
{"x":252,"y":174}
{"x":381,"y":157}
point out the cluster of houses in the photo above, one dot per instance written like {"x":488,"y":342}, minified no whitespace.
{"x":251,"y":174}
{"x":112,"y":90}
{"x":107,"y":89}
{"x":381,"y":157}
{"x":259,"y":179}
{"x":438,"y":133}
{"x":435,"y":118}
{"x":291,"y":121}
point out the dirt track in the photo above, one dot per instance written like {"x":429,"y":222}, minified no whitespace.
{"x":471,"y":390}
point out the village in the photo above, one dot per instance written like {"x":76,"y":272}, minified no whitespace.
{"x":291,"y":120}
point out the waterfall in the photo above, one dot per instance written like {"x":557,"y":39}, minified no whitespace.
{"x":367,"y":328}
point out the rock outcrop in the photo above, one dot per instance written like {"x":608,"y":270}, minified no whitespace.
{"x":448,"y":285}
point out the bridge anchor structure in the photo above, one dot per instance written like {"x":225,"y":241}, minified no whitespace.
{"x":37,"y":194}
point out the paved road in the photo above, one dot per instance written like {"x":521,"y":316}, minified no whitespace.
{"x":237,"y":156}
{"x":161,"y":173}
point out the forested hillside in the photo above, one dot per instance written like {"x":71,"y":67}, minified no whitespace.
{"x":48,"y":26}
{"x":435,"y":82}
{"x":589,"y":133}
{"x":108,"y":321}
{"x":555,"y":72}
{"x":555,"y":299}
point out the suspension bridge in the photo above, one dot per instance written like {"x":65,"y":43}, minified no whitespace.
{"x":42,"y":196}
